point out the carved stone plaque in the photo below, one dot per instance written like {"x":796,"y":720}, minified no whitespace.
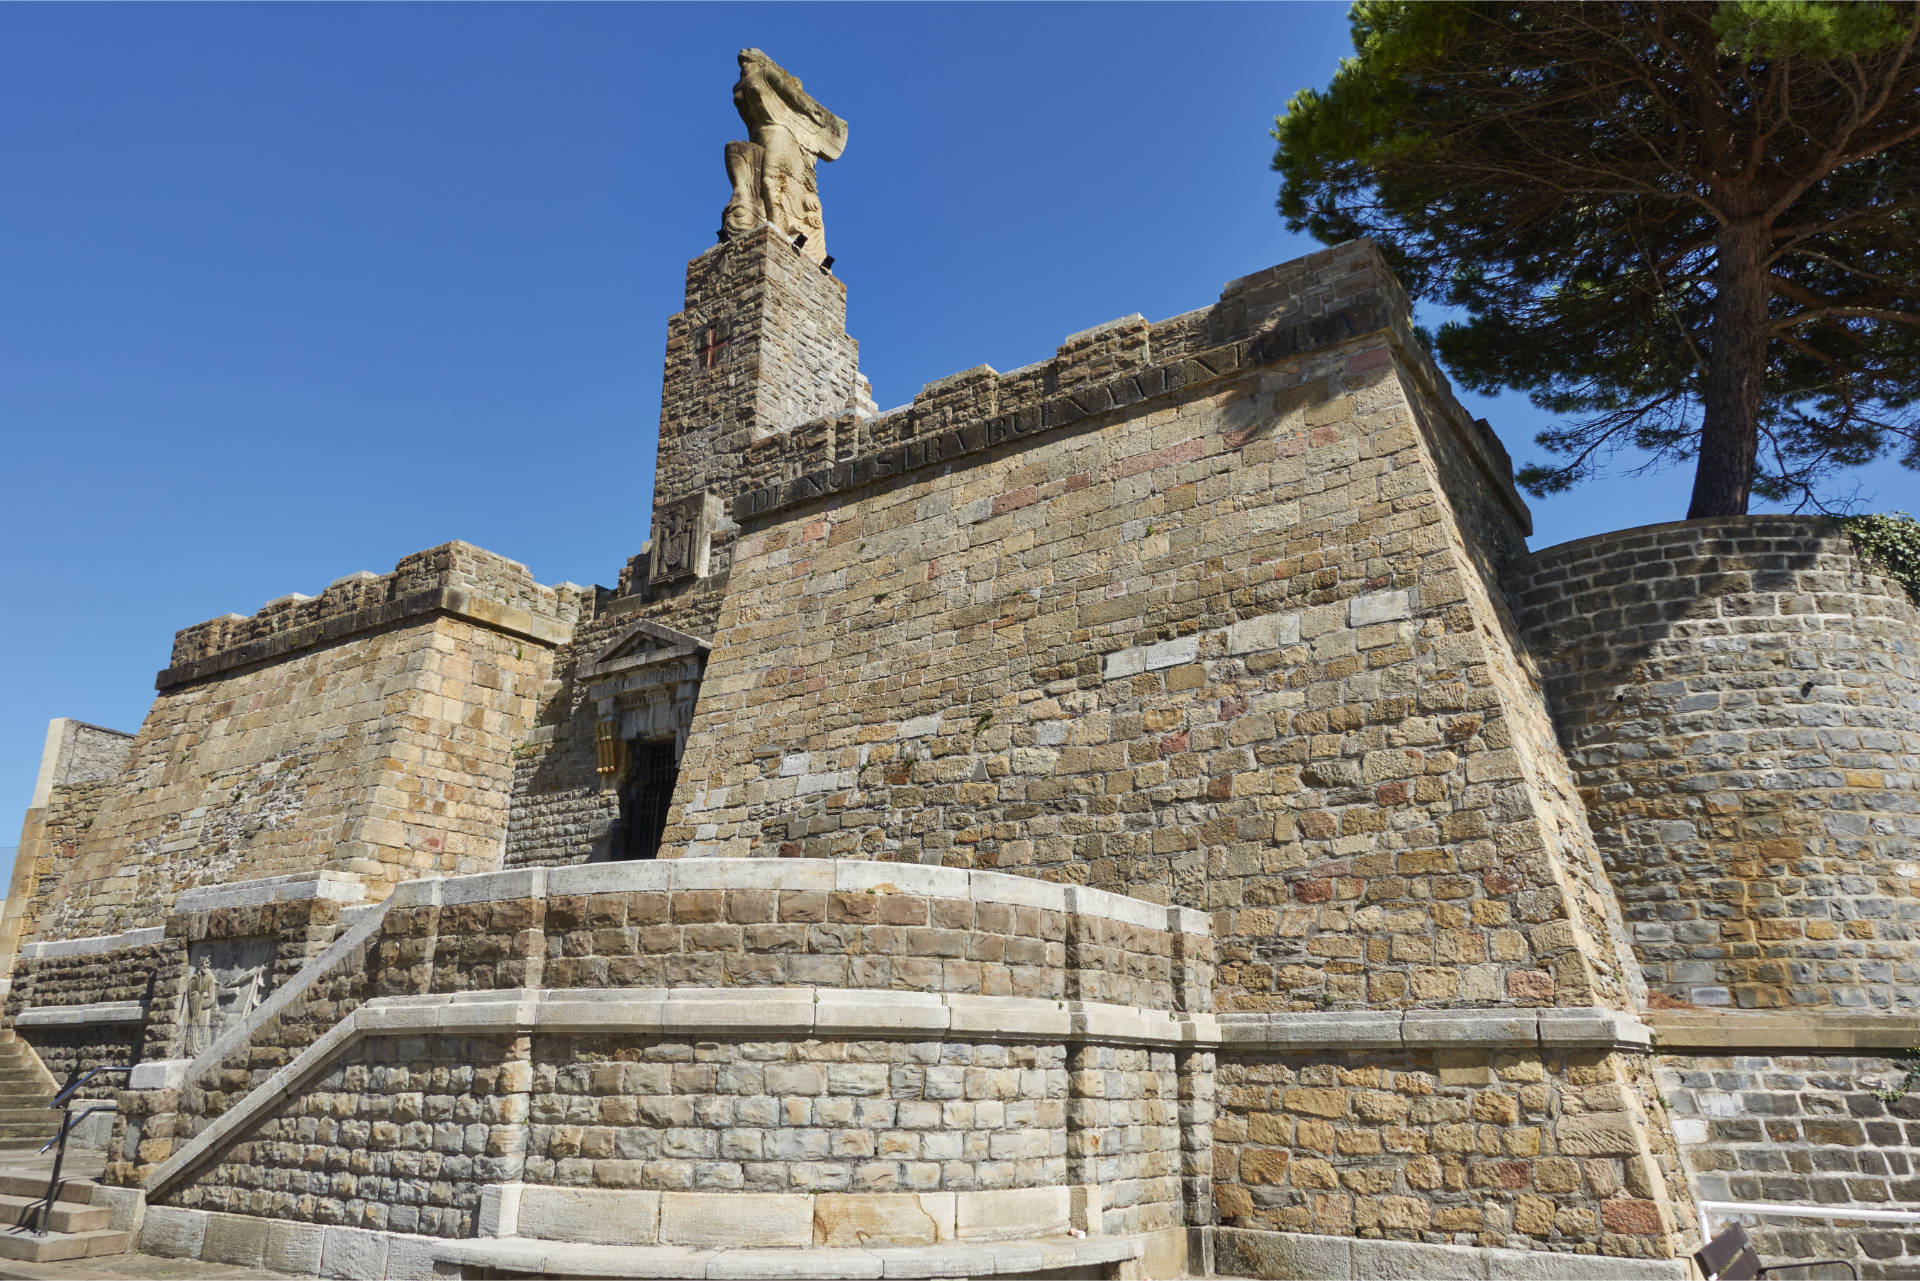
{"x":682,"y":538}
{"x":226,"y":979}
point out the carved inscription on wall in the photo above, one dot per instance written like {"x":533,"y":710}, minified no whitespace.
{"x":226,"y":979}
{"x":683,"y":536}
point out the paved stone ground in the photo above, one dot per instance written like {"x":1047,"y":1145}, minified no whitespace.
{"x":86,"y":1163}
{"x":128,"y":1267}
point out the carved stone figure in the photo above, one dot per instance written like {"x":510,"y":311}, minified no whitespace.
{"x":229,"y":978}
{"x":772,"y":175}
{"x":203,"y":998}
{"x":683,"y":538}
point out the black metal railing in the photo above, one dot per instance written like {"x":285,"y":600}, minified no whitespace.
{"x":64,"y":1101}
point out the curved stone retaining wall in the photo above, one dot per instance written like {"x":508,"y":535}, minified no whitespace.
{"x":870,"y":1034}
{"x":1740,"y":702}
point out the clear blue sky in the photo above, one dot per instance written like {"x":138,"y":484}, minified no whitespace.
{"x":291,"y":291}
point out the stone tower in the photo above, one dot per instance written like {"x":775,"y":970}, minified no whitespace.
{"x":760,"y":347}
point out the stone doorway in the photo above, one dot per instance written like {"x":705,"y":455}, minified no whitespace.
{"x":652,"y":767}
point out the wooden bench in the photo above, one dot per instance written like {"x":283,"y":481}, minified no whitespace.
{"x":1731,"y":1257}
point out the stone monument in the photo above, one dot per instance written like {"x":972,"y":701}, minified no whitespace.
{"x":1143,"y":814}
{"x":772,"y":175}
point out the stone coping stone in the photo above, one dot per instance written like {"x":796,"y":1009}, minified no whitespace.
{"x":845,"y":875}
{"x":1291,"y":1256}
{"x":1582,"y":1026}
{"x":1725,"y":1031}
{"x":761,"y":1011}
{"x":363,"y":1254}
{"x":93,"y":943}
{"x":82,"y":1015}
{"x":792,"y":1220}
{"x":158,"y":1074}
{"x":341,"y":887}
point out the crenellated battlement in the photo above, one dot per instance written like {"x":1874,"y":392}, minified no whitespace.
{"x":455,"y":577}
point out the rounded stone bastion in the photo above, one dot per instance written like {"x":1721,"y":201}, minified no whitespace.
{"x":1740,"y":702}
{"x":876,"y":1067}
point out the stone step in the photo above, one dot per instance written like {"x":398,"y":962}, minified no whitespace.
{"x":62,"y":1245}
{"x":527,"y":1257}
{"x":66,"y":1216}
{"x":34,"y":1186}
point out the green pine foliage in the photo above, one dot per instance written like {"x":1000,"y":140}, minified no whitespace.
{"x":1688,"y":228}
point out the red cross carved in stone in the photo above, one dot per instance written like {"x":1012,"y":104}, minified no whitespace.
{"x":716,"y":339}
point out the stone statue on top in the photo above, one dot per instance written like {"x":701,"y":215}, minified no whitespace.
{"x":772,"y":175}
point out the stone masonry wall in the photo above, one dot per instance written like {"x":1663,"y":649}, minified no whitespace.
{"x":1740,"y":702}
{"x":1511,"y":1148}
{"x":653,"y":938}
{"x":1217,"y":648}
{"x":401,"y":1134}
{"x":1804,"y":1130}
{"x":561,"y":810}
{"x":1239,"y":645}
{"x":1486,"y":527}
{"x":781,"y":1116}
{"x":386,"y":752}
{"x":46,"y":855}
{"x":78,"y":768}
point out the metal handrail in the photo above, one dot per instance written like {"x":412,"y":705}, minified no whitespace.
{"x":68,"y":1120}
{"x":88,"y":1075}
{"x":69,"y":1124}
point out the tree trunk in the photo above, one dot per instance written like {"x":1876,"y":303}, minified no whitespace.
{"x":1736,"y":370}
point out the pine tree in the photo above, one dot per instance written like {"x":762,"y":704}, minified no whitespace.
{"x":1692,"y":228}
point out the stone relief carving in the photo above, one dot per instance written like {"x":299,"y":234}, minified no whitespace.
{"x":772,"y":175}
{"x":683,"y":538}
{"x":227,"y":978}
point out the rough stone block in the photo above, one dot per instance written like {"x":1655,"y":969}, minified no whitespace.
{"x":1400,"y":1260}
{"x":1012,"y":1214}
{"x":1285,"y":1256}
{"x":860,"y":876}
{"x":235,"y":1238}
{"x":353,"y":1254}
{"x":727,"y":1220}
{"x":293,"y":1247}
{"x":173,"y":1232}
{"x":1378,"y":607}
{"x":874,"y":1220}
{"x":1545,"y":1265}
{"x":627,"y":877}
{"x":599,"y":1216}
{"x":1270,"y":631}
{"x":411,"y":1257}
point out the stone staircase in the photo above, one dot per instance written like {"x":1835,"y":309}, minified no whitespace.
{"x":25,"y":1092}
{"x":76,"y":1228}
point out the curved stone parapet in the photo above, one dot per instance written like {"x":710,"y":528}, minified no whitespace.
{"x":1740,"y":702}
{"x":731,"y":1053}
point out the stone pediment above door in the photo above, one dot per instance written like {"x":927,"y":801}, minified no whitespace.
{"x":643,"y":644}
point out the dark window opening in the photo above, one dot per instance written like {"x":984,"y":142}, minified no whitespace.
{"x":651,"y":770}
